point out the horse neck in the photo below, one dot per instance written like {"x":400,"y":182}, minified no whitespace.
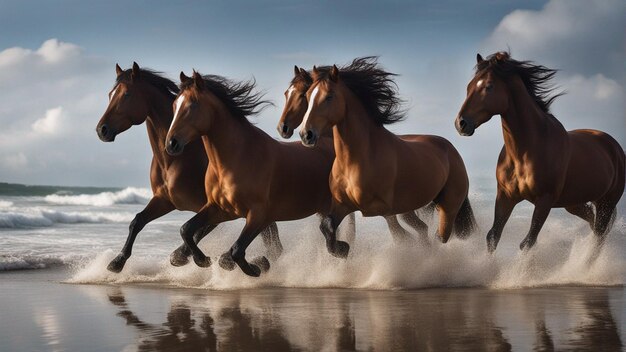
{"x":158,"y":121}
{"x":523,"y":122}
{"x":352,"y":135}
{"x":227,"y":139}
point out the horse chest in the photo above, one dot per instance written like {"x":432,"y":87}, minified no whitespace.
{"x":518,"y":180}
{"x":350,"y":188}
{"x":228,"y":197}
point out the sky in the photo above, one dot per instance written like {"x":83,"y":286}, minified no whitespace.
{"x":57,"y":65}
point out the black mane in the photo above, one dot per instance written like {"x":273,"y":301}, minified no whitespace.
{"x":238,"y":97}
{"x":536,"y":78}
{"x":154,"y":78}
{"x":373,"y":86}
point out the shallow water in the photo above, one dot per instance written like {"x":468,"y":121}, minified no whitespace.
{"x":48,"y":315}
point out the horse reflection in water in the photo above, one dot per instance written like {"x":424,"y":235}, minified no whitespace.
{"x":463,"y":320}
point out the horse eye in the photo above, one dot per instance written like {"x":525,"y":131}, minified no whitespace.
{"x":126,"y":94}
{"x":329,"y":97}
{"x":489,"y":87}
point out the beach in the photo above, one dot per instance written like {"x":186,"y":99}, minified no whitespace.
{"x":57,"y":294}
{"x":41,"y":313}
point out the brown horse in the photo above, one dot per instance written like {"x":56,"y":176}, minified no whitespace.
{"x":375,"y":171}
{"x":541,"y":162}
{"x":293,"y":113}
{"x":143,"y":95}
{"x":250,"y":175}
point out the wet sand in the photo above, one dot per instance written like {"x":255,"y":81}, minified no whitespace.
{"x":41,"y":313}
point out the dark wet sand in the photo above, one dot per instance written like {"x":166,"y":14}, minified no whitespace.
{"x":41,"y":314}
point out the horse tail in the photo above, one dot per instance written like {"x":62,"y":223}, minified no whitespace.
{"x":465,"y":222}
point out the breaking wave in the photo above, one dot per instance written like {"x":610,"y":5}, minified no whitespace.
{"x":129,"y":195}
{"x":39,"y":217}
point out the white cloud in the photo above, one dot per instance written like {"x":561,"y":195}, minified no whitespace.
{"x":57,"y":91}
{"x":577,"y":36}
{"x":49,"y":124}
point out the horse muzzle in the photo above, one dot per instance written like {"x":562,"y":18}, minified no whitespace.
{"x":464,"y":126}
{"x":285,"y":131}
{"x":309,"y":138}
{"x":106,"y":133}
{"x":174,"y":146}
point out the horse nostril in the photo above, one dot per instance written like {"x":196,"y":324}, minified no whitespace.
{"x":309,"y":135}
{"x":462,"y":123}
{"x":285,"y":128}
{"x":104,"y":130}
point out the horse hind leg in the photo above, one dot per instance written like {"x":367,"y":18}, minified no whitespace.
{"x":413,"y":220}
{"x":398,"y":233}
{"x":583,"y":211}
{"x":272,"y":243}
{"x":606,"y":212}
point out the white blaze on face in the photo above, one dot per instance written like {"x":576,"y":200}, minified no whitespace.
{"x":310,"y":107}
{"x":112,"y":94}
{"x":290,"y":91}
{"x":178,"y":103}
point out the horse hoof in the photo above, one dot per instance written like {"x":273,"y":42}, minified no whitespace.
{"x":341,"y":249}
{"x":226,"y":262}
{"x":203,"y":262}
{"x":178,"y":259}
{"x":262,"y":263}
{"x":116,"y":265}
{"x":251,"y":270}
{"x":526,"y":245}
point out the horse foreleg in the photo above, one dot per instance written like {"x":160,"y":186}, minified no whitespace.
{"x":205,"y":217}
{"x":329,"y":225}
{"x":540,"y":214}
{"x":156,"y":208}
{"x":180,"y":256}
{"x":502,"y":212}
{"x":238,"y":250}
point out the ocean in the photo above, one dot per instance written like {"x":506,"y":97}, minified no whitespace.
{"x":84,"y":228}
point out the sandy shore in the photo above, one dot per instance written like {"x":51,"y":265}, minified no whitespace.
{"x":40,"y":312}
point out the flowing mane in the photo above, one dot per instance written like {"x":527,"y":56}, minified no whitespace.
{"x":536,"y":78}
{"x":239,"y":97}
{"x":373,"y":86}
{"x":154,"y":78}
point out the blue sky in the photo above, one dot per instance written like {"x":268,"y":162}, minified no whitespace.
{"x":57,"y":65}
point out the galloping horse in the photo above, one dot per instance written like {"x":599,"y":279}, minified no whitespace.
{"x":375,"y":171}
{"x":293,"y":113}
{"x":541,"y":162}
{"x":143,"y":95}
{"x":250,"y":175}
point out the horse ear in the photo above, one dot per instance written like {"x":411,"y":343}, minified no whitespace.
{"x":135,"y":74}
{"x":296,"y":70}
{"x":479,"y":58}
{"x":315,"y":72}
{"x":118,"y":70}
{"x":305,"y":74}
{"x":334,"y":73}
{"x":198,"y":80}
{"x":183,"y":77}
